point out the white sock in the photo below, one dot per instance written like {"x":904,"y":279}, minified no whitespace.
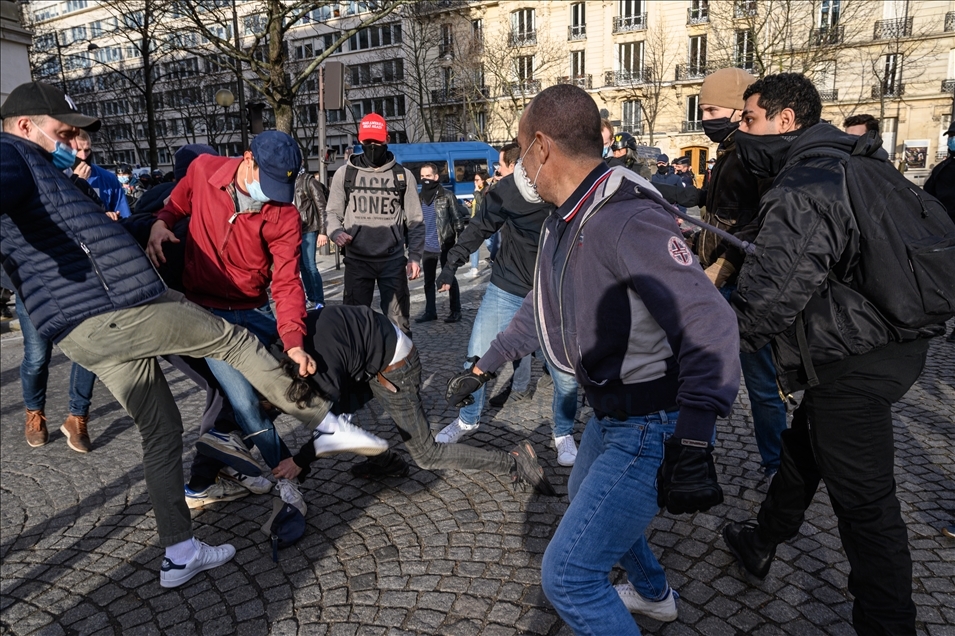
{"x":329,"y":424}
{"x":183,"y":552}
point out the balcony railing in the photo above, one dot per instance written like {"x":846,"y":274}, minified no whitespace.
{"x":583,"y":81}
{"x":523,"y":87}
{"x":826,"y":36}
{"x":577,"y":32}
{"x":623,"y":24}
{"x":691,"y":126}
{"x":888,"y":29}
{"x":455,"y":94}
{"x":699,"y":15}
{"x":628,"y":78}
{"x":745,"y":9}
{"x":888,"y":90}
{"x":950,"y":21}
{"x":830,"y":95}
{"x":941,"y":154}
{"x":694,"y":71}
{"x":522,"y":38}
{"x":948,"y":86}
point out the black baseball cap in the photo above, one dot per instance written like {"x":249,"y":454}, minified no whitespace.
{"x":40,"y":98}
{"x":279,"y":160}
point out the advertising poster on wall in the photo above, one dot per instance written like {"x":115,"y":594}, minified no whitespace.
{"x":916,"y":152}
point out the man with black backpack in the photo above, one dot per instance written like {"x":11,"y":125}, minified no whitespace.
{"x":816,"y":289}
{"x":373,"y":211}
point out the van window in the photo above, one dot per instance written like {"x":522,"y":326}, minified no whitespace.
{"x":465,"y":169}
{"x":415,"y":168}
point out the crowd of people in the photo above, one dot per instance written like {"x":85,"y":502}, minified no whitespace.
{"x":213,"y":268}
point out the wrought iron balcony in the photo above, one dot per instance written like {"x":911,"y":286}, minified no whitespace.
{"x":948,"y":86}
{"x":745,"y":9}
{"x":522,"y":38}
{"x":699,"y":15}
{"x":583,"y":81}
{"x":896,"y":28}
{"x":577,"y":32}
{"x":691,"y":126}
{"x":830,"y":95}
{"x":950,"y":21}
{"x":694,"y":71}
{"x":826,"y":36}
{"x":523,"y":87}
{"x":888,"y":90}
{"x":628,"y":78}
{"x":941,"y":155}
{"x":623,"y":24}
{"x":457,"y":95}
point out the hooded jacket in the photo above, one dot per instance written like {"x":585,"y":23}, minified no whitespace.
{"x":806,"y":250}
{"x":380,"y":225}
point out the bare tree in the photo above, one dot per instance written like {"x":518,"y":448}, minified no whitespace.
{"x":265,"y":50}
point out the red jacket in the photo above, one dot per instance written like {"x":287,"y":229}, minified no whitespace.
{"x":231,"y":258}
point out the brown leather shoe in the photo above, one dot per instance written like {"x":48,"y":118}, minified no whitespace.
{"x":76,"y":436}
{"x":35,"y":430}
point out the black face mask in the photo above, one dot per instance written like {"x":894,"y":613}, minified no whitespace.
{"x":375,"y":154}
{"x":719,"y":129}
{"x":765,"y":155}
{"x":663,"y":169}
{"x":429,"y":187}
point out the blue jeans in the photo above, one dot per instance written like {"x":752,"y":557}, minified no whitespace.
{"x":475,"y":259}
{"x":493,"y":244}
{"x":613,"y":498}
{"x":311,"y":277}
{"x":769,"y":410}
{"x":257,"y":428}
{"x":35,"y":370}
{"x":564,"y":402}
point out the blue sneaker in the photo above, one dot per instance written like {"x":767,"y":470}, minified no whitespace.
{"x":229,"y":449}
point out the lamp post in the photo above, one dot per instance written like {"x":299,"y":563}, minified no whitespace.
{"x":225,"y":98}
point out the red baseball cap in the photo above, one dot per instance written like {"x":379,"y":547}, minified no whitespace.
{"x":373,"y":128}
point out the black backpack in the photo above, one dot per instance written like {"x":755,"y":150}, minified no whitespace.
{"x":906,"y":262}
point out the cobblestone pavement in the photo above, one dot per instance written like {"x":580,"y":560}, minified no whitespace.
{"x":434,"y":553}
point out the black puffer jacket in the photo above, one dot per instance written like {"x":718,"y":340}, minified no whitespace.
{"x":807,"y":249}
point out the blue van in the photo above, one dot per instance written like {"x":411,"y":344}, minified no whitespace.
{"x":457,"y":162}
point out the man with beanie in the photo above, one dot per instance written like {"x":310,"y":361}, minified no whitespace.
{"x":730,"y":201}
{"x":244,"y":238}
{"x":624,"y":308}
{"x":92,"y":291}
{"x":373,"y":212}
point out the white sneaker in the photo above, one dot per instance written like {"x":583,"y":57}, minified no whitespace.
{"x":345,"y":437}
{"x":257,"y":485}
{"x":229,"y":449}
{"x":454,"y":431}
{"x":473,"y":273}
{"x":222,"y":490}
{"x":208,"y":557}
{"x":664,"y":611}
{"x":566,"y":450}
{"x":290,"y":494}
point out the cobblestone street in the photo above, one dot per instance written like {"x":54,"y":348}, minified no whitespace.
{"x":435,"y":553}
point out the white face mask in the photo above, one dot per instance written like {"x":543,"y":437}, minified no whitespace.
{"x":527,"y":189}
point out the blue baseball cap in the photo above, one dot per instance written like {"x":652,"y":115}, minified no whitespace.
{"x":279,"y":161}
{"x":663,"y":158}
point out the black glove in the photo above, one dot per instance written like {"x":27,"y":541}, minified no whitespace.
{"x":686,"y":480}
{"x":446,"y":277}
{"x":461,"y":386}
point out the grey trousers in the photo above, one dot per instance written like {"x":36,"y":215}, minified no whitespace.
{"x":121,"y":348}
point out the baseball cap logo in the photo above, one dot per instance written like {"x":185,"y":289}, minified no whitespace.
{"x":288,"y":174}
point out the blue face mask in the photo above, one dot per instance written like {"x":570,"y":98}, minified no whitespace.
{"x":123,"y":178}
{"x":255,"y":191}
{"x":951,"y":143}
{"x":606,"y":152}
{"x":63,"y":155}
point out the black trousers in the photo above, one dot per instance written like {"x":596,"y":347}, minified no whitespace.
{"x":392,"y":279}
{"x":429,"y":266}
{"x":842,"y":434}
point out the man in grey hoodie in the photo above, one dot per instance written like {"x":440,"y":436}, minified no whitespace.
{"x":373,"y":211}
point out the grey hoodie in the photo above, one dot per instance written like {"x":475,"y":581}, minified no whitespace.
{"x":376,"y":220}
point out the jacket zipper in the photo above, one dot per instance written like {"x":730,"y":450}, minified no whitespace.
{"x":89,"y":255}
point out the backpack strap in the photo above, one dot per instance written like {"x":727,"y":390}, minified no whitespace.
{"x":401,"y":183}
{"x":349,"y":184}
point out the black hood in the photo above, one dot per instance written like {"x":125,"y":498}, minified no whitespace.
{"x":822,"y":139}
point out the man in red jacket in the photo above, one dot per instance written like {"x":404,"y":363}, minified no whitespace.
{"x":243,"y":235}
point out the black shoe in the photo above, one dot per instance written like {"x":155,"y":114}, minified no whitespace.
{"x":521,"y":396}
{"x":500,"y":399}
{"x":454,"y":316}
{"x":388,"y":464}
{"x":527,"y":470}
{"x":426,"y":318}
{"x":753,"y":553}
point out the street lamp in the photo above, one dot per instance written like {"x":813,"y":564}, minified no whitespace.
{"x":225,"y":98}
